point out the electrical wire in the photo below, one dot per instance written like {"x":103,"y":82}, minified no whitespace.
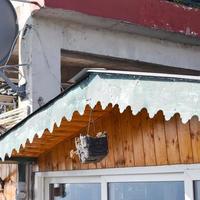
{"x":10,"y":54}
{"x":46,"y":59}
{"x":12,"y":48}
{"x":19,"y":32}
{"x":21,"y":75}
{"x":11,"y":66}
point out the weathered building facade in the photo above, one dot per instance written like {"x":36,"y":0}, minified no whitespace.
{"x":143,"y":91}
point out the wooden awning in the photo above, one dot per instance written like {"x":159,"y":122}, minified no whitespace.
{"x":99,"y":90}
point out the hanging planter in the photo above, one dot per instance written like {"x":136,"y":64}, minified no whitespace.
{"x":92,"y":149}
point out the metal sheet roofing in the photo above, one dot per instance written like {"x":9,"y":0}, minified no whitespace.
{"x":154,"y":92}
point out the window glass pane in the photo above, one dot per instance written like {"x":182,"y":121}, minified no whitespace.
{"x":146,"y":191}
{"x":197,"y":190}
{"x":75,"y":191}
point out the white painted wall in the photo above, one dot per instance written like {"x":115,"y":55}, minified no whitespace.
{"x":41,"y":49}
{"x":129,"y":46}
{"x":43,"y":43}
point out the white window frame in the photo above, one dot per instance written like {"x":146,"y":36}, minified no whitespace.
{"x":191,"y":176}
{"x":186,"y":173}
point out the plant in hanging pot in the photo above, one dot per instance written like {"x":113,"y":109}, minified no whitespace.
{"x":91,"y":149}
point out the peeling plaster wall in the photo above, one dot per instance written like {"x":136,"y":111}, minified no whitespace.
{"x":42,"y":44}
{"x":158,"y":14}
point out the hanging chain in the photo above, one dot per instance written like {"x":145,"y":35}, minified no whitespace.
{"x":91,"y":120}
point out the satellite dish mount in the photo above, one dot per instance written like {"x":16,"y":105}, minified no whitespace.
{"x":9,"y":33}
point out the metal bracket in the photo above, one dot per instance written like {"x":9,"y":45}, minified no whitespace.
{"x":20,"y":90}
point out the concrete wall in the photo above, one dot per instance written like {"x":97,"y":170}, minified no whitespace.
{"x":42,"y":44}
{"x":155,"y":14}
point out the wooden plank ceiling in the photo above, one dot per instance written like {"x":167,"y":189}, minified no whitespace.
{"x":66,"y":130}
{"x":134,"y":141}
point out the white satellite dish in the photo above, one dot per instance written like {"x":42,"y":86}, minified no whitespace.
{"x":8,"y":30}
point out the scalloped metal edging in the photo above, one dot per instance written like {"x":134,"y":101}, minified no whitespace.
{"x":170,"y":96}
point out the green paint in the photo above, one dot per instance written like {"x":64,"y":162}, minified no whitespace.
{"x":171,"y":95}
